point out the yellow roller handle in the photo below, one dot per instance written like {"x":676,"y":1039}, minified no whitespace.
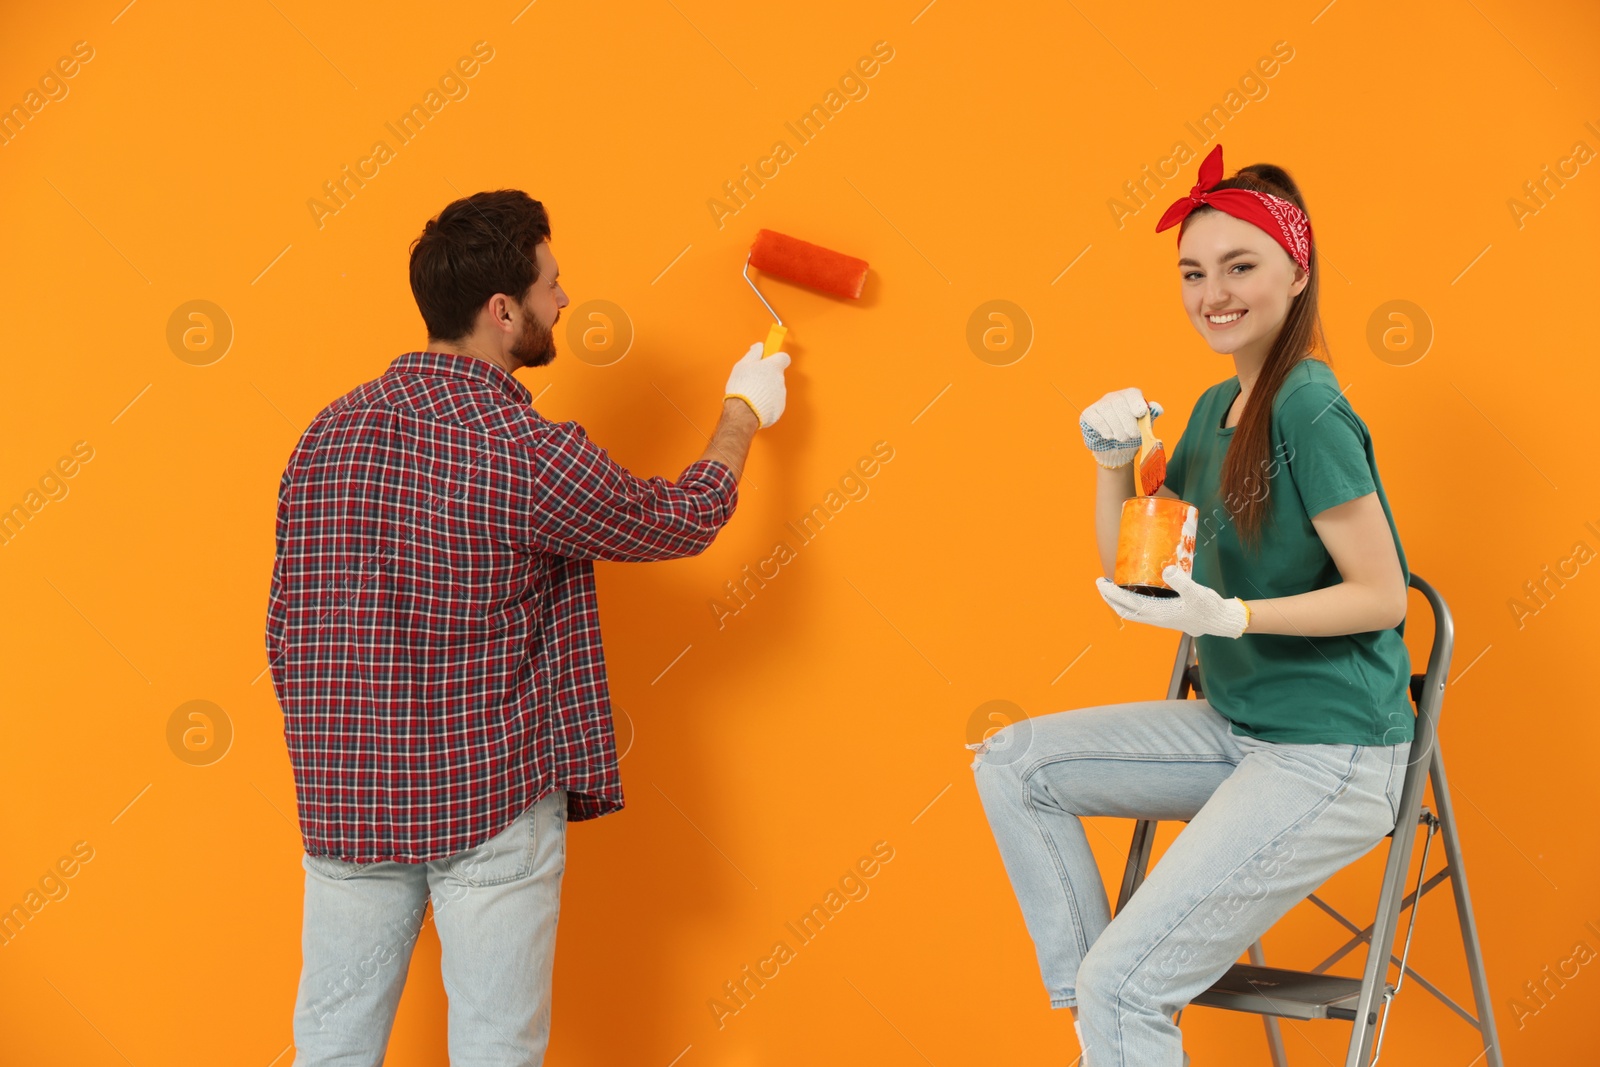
{"x":775,"y":338}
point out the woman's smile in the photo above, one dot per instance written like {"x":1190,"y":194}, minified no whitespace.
{"x":1225,"y":320}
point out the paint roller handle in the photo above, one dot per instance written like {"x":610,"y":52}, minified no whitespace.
{"x":757,"y":379}
{"x":775,"y":337}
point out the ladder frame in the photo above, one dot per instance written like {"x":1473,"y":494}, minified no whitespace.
{"x":1369,"y":1013}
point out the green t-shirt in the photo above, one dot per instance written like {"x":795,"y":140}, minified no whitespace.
{"x":1350,"y":689}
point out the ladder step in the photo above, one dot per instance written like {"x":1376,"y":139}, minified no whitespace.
{"x":1284,"y":993}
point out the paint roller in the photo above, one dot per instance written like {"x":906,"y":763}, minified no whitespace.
{"x":805,"y":264}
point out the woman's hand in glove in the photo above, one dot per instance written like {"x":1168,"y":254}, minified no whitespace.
{"x":1111,"y":428}
{"x":1196,"y":610}
{"x":758,"y":381}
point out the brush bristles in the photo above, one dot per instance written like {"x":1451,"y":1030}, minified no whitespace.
{"x":1153,"y":471}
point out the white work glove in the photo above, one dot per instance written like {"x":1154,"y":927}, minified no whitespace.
{"x":1197,"y":609}
{"x":1111,"y":428}
{"x":758,"y":381}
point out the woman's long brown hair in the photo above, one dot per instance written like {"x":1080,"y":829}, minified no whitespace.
{"x":1244,"y":470}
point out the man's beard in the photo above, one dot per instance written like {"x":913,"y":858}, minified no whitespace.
{"x":537,"y":345}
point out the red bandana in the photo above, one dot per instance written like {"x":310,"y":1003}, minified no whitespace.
{"x":1284,"y":222}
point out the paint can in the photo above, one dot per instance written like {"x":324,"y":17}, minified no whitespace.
{"x":1155,"y":532}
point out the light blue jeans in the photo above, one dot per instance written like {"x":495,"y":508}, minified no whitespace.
{"x":1268,"y":824}
{"x":495,"y":908}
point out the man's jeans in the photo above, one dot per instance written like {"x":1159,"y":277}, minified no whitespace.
{"x":495,"y":909}
{"x":1268,"y":824}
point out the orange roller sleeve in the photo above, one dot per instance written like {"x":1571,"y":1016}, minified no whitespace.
{"x":807,"y":264}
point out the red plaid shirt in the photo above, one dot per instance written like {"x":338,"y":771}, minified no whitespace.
{"x":432,"y":628}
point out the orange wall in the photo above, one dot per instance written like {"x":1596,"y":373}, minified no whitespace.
{"x":830,"y":713}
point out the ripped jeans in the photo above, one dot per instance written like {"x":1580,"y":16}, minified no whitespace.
{"x":1268,"y":824}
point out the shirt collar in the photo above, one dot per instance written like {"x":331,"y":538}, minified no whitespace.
{"x":462,"y":367}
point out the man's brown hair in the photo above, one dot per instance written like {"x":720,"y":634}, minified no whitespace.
{"x":477,"y":246}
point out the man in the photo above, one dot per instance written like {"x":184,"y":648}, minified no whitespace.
{"x":434,"y":638}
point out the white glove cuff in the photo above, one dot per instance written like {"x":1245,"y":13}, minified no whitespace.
{"x":764,"y":400}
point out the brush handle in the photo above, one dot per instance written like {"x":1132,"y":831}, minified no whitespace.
{"x":775,"y":337}
{"x":1147,"y":443}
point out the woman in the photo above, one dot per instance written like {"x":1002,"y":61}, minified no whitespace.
{"x":1291,"y":766}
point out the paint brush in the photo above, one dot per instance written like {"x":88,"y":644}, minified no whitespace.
{"x":1150,"y":464}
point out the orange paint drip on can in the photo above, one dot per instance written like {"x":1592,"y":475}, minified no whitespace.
{"x":1154,"y":533}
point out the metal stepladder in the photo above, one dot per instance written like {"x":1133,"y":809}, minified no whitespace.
{"x":1275,"y":993}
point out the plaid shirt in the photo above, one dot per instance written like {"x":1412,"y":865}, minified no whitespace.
{"x":432,"y":627}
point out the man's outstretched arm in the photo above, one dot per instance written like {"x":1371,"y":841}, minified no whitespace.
{"x":587,"y":506}
{"x":730,"y":442}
